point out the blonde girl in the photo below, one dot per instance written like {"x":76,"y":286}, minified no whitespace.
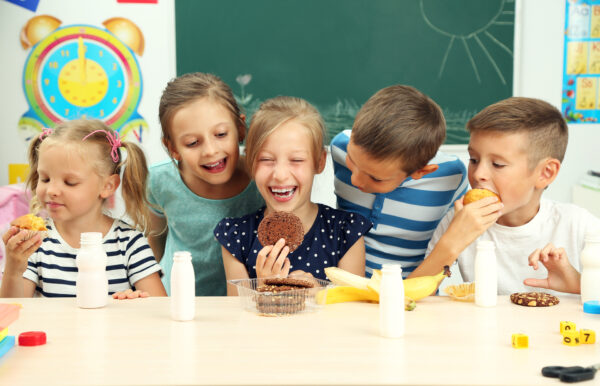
{"x":284,"y":152}
{"x":75,"y":168}
{"x":205,"y":179}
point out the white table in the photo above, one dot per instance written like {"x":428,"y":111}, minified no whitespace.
{"x":446,"y":342}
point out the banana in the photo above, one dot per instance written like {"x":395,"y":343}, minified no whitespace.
{"x":341,"y":277}
{"x":342,"y":294}
{"x":415,"y":288}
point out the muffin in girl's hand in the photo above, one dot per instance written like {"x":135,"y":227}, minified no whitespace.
{"x":32,"y":224}
{"x":477,"y":194}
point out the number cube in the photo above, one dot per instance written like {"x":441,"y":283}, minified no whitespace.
{"x":567,"y":326}
{"x":570,"y":338}
{"x":587,"y":336}
{"x":520,"y":341}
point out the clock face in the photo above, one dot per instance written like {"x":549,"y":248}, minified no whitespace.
{"x":82,"y":71}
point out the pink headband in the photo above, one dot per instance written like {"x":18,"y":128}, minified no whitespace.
{"x":46,"y":131}
{"x":113,"y":140}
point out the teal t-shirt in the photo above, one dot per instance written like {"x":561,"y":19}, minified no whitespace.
{"x":191,"y":220}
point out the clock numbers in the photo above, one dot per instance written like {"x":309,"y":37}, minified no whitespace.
{"x":64,"y":53}
{"x":52,"y":99}
{"x":101,"y":113}
{"x":101,"y":53}
{"x":114,"y":66}
{"x":114,"y":100}
{"x":53,"y":64}
{"x":46,"y":81}
{"x":66,"y":112}
{"x":119,"y":84}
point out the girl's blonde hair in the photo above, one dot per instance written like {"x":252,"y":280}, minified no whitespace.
{"x":97,"y":149}
{"x":273,"y":113}
{"x":187,"y":89}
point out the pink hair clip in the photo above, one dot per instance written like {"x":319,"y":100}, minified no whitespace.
{"x":46,"y":131}
{"x":113,"y":140}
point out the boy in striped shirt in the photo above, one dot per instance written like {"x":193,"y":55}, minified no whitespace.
{"x":389,"y":169}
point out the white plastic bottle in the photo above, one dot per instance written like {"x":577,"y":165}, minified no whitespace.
{"x":91,"y":287}
{"x":486,"y":275}
{"x":391,"y":302}
{"x":590,"y":264}
{"x":183,"y":287}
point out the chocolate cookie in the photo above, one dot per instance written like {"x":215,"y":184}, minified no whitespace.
{"x":282,"y":296}
{"x":281,"y":225}
{"x":534,"y":299}
{"x":288,"y":281}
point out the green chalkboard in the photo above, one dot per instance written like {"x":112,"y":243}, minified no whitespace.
{"x":337,"y":53}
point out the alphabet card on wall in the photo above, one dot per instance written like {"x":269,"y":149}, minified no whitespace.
{"x":581,"y":69}
{"x":82,"y":71}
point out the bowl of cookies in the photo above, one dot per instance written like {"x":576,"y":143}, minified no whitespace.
{"x":275,"y":296}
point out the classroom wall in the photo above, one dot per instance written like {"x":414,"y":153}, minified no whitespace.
{"x":538,"y":73}
{"x":157,"y":23}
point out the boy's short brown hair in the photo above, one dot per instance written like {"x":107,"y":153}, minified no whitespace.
{"x":546,"y":128}
{"x":400,"y":123}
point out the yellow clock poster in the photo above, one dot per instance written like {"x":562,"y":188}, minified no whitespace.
{"x":79,"y":71}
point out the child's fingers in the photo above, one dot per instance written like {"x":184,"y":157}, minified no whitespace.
{"x":280,"y":261}
{"x":31,"y":245}
{"x":539,"y":283}
{"x":134,"y":294}
{"x":285,"y":270}
{"x":534,"y":258}
{"x":144,"y":294}
{"x":262,"y":257}
{"x":124,"y":294}
{"x":9,"y":233}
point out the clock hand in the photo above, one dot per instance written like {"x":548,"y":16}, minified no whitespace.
{"x":81,"y":48}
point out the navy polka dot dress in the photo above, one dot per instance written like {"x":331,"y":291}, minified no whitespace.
{"x":330,"y":237}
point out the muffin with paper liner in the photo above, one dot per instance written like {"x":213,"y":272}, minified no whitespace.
{"x":32,"y":224}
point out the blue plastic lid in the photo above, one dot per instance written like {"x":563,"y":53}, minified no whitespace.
{"x":592,"y":307}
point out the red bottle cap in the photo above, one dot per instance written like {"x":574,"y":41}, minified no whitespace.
{"x":32,"y":338}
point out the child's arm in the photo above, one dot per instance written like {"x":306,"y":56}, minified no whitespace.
{"x":354,"y":259}
{"x":150,"y":285}
{"x":562,"y":276}
{"x":18,"y":250}
{"x":469,"y":222}
{"x":158,"y":235}
{"x":234,"y":269}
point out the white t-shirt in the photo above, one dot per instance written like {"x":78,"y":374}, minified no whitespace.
{"x":563,"y":225}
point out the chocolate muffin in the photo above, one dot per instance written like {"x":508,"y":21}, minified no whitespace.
{"x":281,"y":225}
{"x":281,"y":296}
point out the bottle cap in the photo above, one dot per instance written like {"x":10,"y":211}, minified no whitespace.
{"x":592,"y":235}
{"x":392,"y":267}
{"x":182,"y":256}
{"x":484,"y":244}
{"x":32,"y":338}
{"x":90,"y":237}
{"x":592,"y":307}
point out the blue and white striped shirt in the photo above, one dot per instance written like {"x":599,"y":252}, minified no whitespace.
{"x":405,"y":218}
{"x":52,"y":267}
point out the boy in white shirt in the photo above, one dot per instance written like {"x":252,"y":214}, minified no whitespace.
{"x":516,"y":149}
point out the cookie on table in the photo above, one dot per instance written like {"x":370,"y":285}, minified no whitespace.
{"x":281,"y":225}
{"x":282,"y":296}
{"x":534,"y":299}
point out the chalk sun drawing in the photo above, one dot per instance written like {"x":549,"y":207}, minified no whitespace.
{"x":471,"y":37}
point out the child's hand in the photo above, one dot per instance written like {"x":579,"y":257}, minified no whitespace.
{"x":130,"y":294}
{"x":272,"y":260}
{"x":18,"y":249}
{"x":471,"y":220}
{"x":562,"y":276}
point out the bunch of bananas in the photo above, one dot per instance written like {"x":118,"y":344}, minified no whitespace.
{"x":351,"y":287}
